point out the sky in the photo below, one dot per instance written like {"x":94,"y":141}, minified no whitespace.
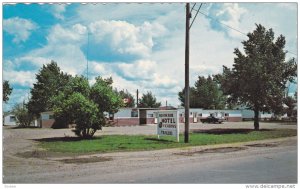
{"x":140,"y":45}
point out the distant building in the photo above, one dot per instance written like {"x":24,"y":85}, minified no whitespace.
{"x":9,"y":119}
{"x":142,"y":116}
{"x":47,"y":120}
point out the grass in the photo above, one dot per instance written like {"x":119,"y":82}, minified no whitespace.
{"x":113,"y":143}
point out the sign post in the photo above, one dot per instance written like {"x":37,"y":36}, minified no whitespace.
{"x":168,"y":123}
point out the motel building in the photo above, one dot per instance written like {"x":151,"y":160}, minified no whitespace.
{"x":9,"y":119}
{"x":144,"y":116}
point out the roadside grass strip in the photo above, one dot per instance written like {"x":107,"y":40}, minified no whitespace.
{"x":115,"y":143}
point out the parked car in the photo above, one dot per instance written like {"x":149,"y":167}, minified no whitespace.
{"x":212,"y":119}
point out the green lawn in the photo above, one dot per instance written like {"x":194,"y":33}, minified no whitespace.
{"x":112,"y":143}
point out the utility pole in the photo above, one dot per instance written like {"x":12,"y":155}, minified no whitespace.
{"x":187,"y":81}
{"x":137,"y":98}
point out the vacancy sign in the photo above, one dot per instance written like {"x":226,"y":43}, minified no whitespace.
{"x":167,"y":123}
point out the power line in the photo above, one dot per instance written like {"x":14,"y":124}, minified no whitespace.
{"x":232,"y":28}
{"x":291,"y":53}
{"x":196,"y":13}
{"x":222,"y":23}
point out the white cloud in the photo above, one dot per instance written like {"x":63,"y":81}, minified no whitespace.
{"x":63,"y":47}
{"x":139,"y":70}
{"x":97,"y":67}
{"x":291,"y":6}
{"x":8,"y":65}
{"x":18,"y":96}
{"x":58,"y":10}
{"x":164,"y":81}
{"x":23,"y":78}
{"x":15,"y":76}
{"x":18,"y":27}
{"x":74,"y":35}
{"x":282,"y":19}
{"x":125,"y":38}
{"x":229,"y":14}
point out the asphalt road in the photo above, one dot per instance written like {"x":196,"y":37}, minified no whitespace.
{"x":263,"y":165}
{"x":272,"y":167}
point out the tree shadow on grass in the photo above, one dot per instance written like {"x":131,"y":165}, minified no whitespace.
{"x":159,"y":140}
{"x":64,"y":139}
{"x":28,"y":127}
{"x":226,"y":131}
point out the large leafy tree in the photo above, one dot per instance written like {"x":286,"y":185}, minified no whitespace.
{"x":50,"y":80}
{"x":6,"y":91}
{"x":85,"y":105}
{"x":205,"y":94}
{"x":61,"y":105}
{"x":259,"y":75}
{"x":148,"y":100}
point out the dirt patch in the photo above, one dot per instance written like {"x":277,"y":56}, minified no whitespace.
{"x":92,"y":159}
{"x":33,"y":154}
{"x":42,"y":154}
{"x":212,"y":150}
{"x":263,"y":145}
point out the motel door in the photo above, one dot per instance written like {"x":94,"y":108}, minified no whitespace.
{"x":143,"y":117}
{"x":195,"y":117}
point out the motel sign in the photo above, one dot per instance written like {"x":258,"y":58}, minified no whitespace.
{"x":167,"y":123}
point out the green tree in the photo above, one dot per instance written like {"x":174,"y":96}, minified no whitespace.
{"x":83,"y":112}
{"x":50,"y":80}
{"x":290,"y":102}
{"x":84,"y":105}
{"x":127,"y":98}
{"x":63,"y":117}
{"x":205,"y":94}
{"x":104,"y":96}
{"x":259,"y":76}
{"x":6,"y":91}
{"x":23,"y":116}
{"x":148,"y":100}
{"x":194,"y":103}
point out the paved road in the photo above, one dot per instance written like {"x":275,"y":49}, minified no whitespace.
{"x":272,"y":167}
{"x":263,"y":165}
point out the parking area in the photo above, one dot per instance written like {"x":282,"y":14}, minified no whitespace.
{"x":151,"y":129}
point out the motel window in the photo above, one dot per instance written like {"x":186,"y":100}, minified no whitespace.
{"x":12,"y":118}
{"x":200,"y":114}
{"x":226,"y":114}
{"x":150,"y":115}
{"x":134,"y":113}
